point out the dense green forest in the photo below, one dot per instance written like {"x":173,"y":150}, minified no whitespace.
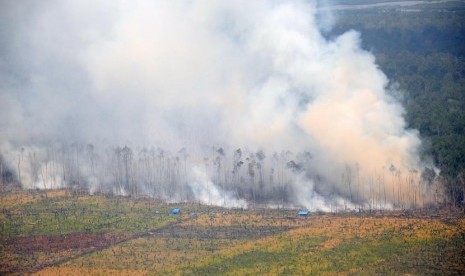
{"x":422,"y":51}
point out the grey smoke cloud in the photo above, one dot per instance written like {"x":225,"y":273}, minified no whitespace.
{"x":197,"y":74}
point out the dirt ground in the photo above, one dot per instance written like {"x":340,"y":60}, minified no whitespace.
{"x":22,"y":254}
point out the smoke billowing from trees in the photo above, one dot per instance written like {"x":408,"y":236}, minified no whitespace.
{"x":223,"y":102}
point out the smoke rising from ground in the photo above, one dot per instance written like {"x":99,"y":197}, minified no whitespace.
{"x":80,"y":80}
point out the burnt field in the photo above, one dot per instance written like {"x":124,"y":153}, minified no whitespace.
{"x":75,"y":234}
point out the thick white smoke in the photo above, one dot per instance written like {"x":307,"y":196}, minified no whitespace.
{"x":196,"y":74}
{"x":208,"y":193}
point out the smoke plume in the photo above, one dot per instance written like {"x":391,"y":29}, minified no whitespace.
{"x":218,"y":101}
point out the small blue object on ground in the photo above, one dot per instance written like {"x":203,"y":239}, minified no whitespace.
{"x":303,"y":213}
{"x":175,"y":211}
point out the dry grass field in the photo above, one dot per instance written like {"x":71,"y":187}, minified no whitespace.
{"x":65,"y":234}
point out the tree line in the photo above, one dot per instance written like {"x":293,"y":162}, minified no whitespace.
{"x":256,"y":176}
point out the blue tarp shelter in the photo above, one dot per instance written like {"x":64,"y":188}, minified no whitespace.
{"x":175,"y":211}
{"x":302,"y":213}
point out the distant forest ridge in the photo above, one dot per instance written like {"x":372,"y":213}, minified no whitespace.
{"x":415,"y":4}
{"x":369,"y":2}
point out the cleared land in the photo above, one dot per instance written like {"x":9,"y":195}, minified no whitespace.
{"x":70,"y":234}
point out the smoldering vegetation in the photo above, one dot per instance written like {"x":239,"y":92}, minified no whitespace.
{"x":223,"y":177}
{"x":243,"y":103}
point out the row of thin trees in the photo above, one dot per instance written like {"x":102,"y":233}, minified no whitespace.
{"x":255,"y":176}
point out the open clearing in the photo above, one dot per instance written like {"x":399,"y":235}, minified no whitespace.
{"x":73,"y":235}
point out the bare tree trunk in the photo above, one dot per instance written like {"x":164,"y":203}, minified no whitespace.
{"x":462,"y":179}
{"x":19,"y":168}
{"x":349,"y":181}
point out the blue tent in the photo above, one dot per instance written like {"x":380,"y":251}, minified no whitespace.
{"x":175,"y":211}
{"x":303,"y":213}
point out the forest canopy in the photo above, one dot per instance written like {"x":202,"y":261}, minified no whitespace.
{"x":422,"y":52}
